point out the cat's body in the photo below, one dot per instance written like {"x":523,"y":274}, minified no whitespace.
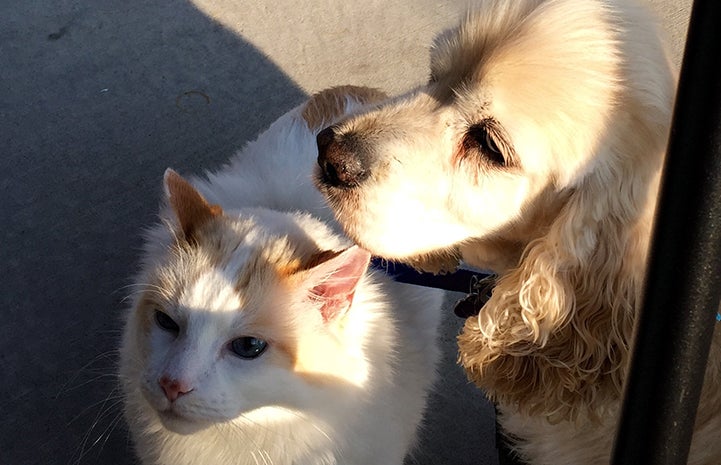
{"x":260,"y":338}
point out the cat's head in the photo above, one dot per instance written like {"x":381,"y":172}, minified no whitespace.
{"x":239,"y":311}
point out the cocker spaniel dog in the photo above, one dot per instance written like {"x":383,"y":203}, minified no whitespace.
{"x":535,"y":150}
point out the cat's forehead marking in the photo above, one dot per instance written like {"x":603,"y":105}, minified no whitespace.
{"x":289,"y":268}
{"x":213,"y":290}
{"x":277,"y":259}
{"x":255,"y":270}
{"x":236,"y":250}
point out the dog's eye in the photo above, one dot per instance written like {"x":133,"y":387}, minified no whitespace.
{"x":479,"y":138}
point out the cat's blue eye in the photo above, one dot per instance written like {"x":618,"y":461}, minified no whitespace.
{"x":248,"y":347}
{"x":165,"y":322}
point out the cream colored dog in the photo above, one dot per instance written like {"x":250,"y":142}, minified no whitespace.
{"x":534,"y":150}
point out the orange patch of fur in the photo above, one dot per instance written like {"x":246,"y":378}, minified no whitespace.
{"x":329,"y":104}
{"x":191,"y":209}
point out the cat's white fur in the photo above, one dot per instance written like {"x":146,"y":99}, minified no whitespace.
{"x":346,"y":389}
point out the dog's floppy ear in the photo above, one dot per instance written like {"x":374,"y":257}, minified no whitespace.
{"x":554,"y":338}
{"x":554,"y":335}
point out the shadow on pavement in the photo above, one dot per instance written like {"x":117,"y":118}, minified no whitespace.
{"x":97,"y":98}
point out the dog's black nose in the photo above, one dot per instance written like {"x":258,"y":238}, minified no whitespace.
{"x":325,"y":139}
{"x":341,"y":164}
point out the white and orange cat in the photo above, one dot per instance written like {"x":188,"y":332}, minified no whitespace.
{"x":260,"y":336}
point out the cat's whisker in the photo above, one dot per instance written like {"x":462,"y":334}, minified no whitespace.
{"x":103,"y":436}
{"x":141,"y":287}
{"x":255,"y":459}
{"x":262,"y":457}
{"x":255,"y":424}
{"x":268,"y":431}
{"x":265,"y":456}
{"x":104,"y":407}
{"x":128,"y":286}
{"x":128,"y":297}
{"x":105,"y":410}
{"x":108,"y":409}
{"x":109,"y":430}
{"x":245,"y":432}
{"x":315,"y":426}
{"x":107,"y":355}
{"x":98,"y":377}
{"x":145,"y":288}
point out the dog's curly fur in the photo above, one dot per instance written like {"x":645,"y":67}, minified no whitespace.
{"x":535,"y":149}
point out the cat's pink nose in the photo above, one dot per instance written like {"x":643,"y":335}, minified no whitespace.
{"x":173,"y":388}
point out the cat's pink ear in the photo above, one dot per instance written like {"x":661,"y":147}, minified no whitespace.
{"x":191,"y":210}
{"x":334,"y":277}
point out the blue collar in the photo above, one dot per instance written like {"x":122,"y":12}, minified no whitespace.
{"x":477,"y":284}
{"x":461,"y":280}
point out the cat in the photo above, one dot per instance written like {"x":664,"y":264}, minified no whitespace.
{"x":260,"y":335}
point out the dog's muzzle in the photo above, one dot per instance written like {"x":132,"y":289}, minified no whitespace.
{"x":343,"y":163}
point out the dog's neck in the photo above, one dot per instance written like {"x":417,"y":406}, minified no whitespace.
{"x":496,"y":254}
{"x":502,"y":251}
